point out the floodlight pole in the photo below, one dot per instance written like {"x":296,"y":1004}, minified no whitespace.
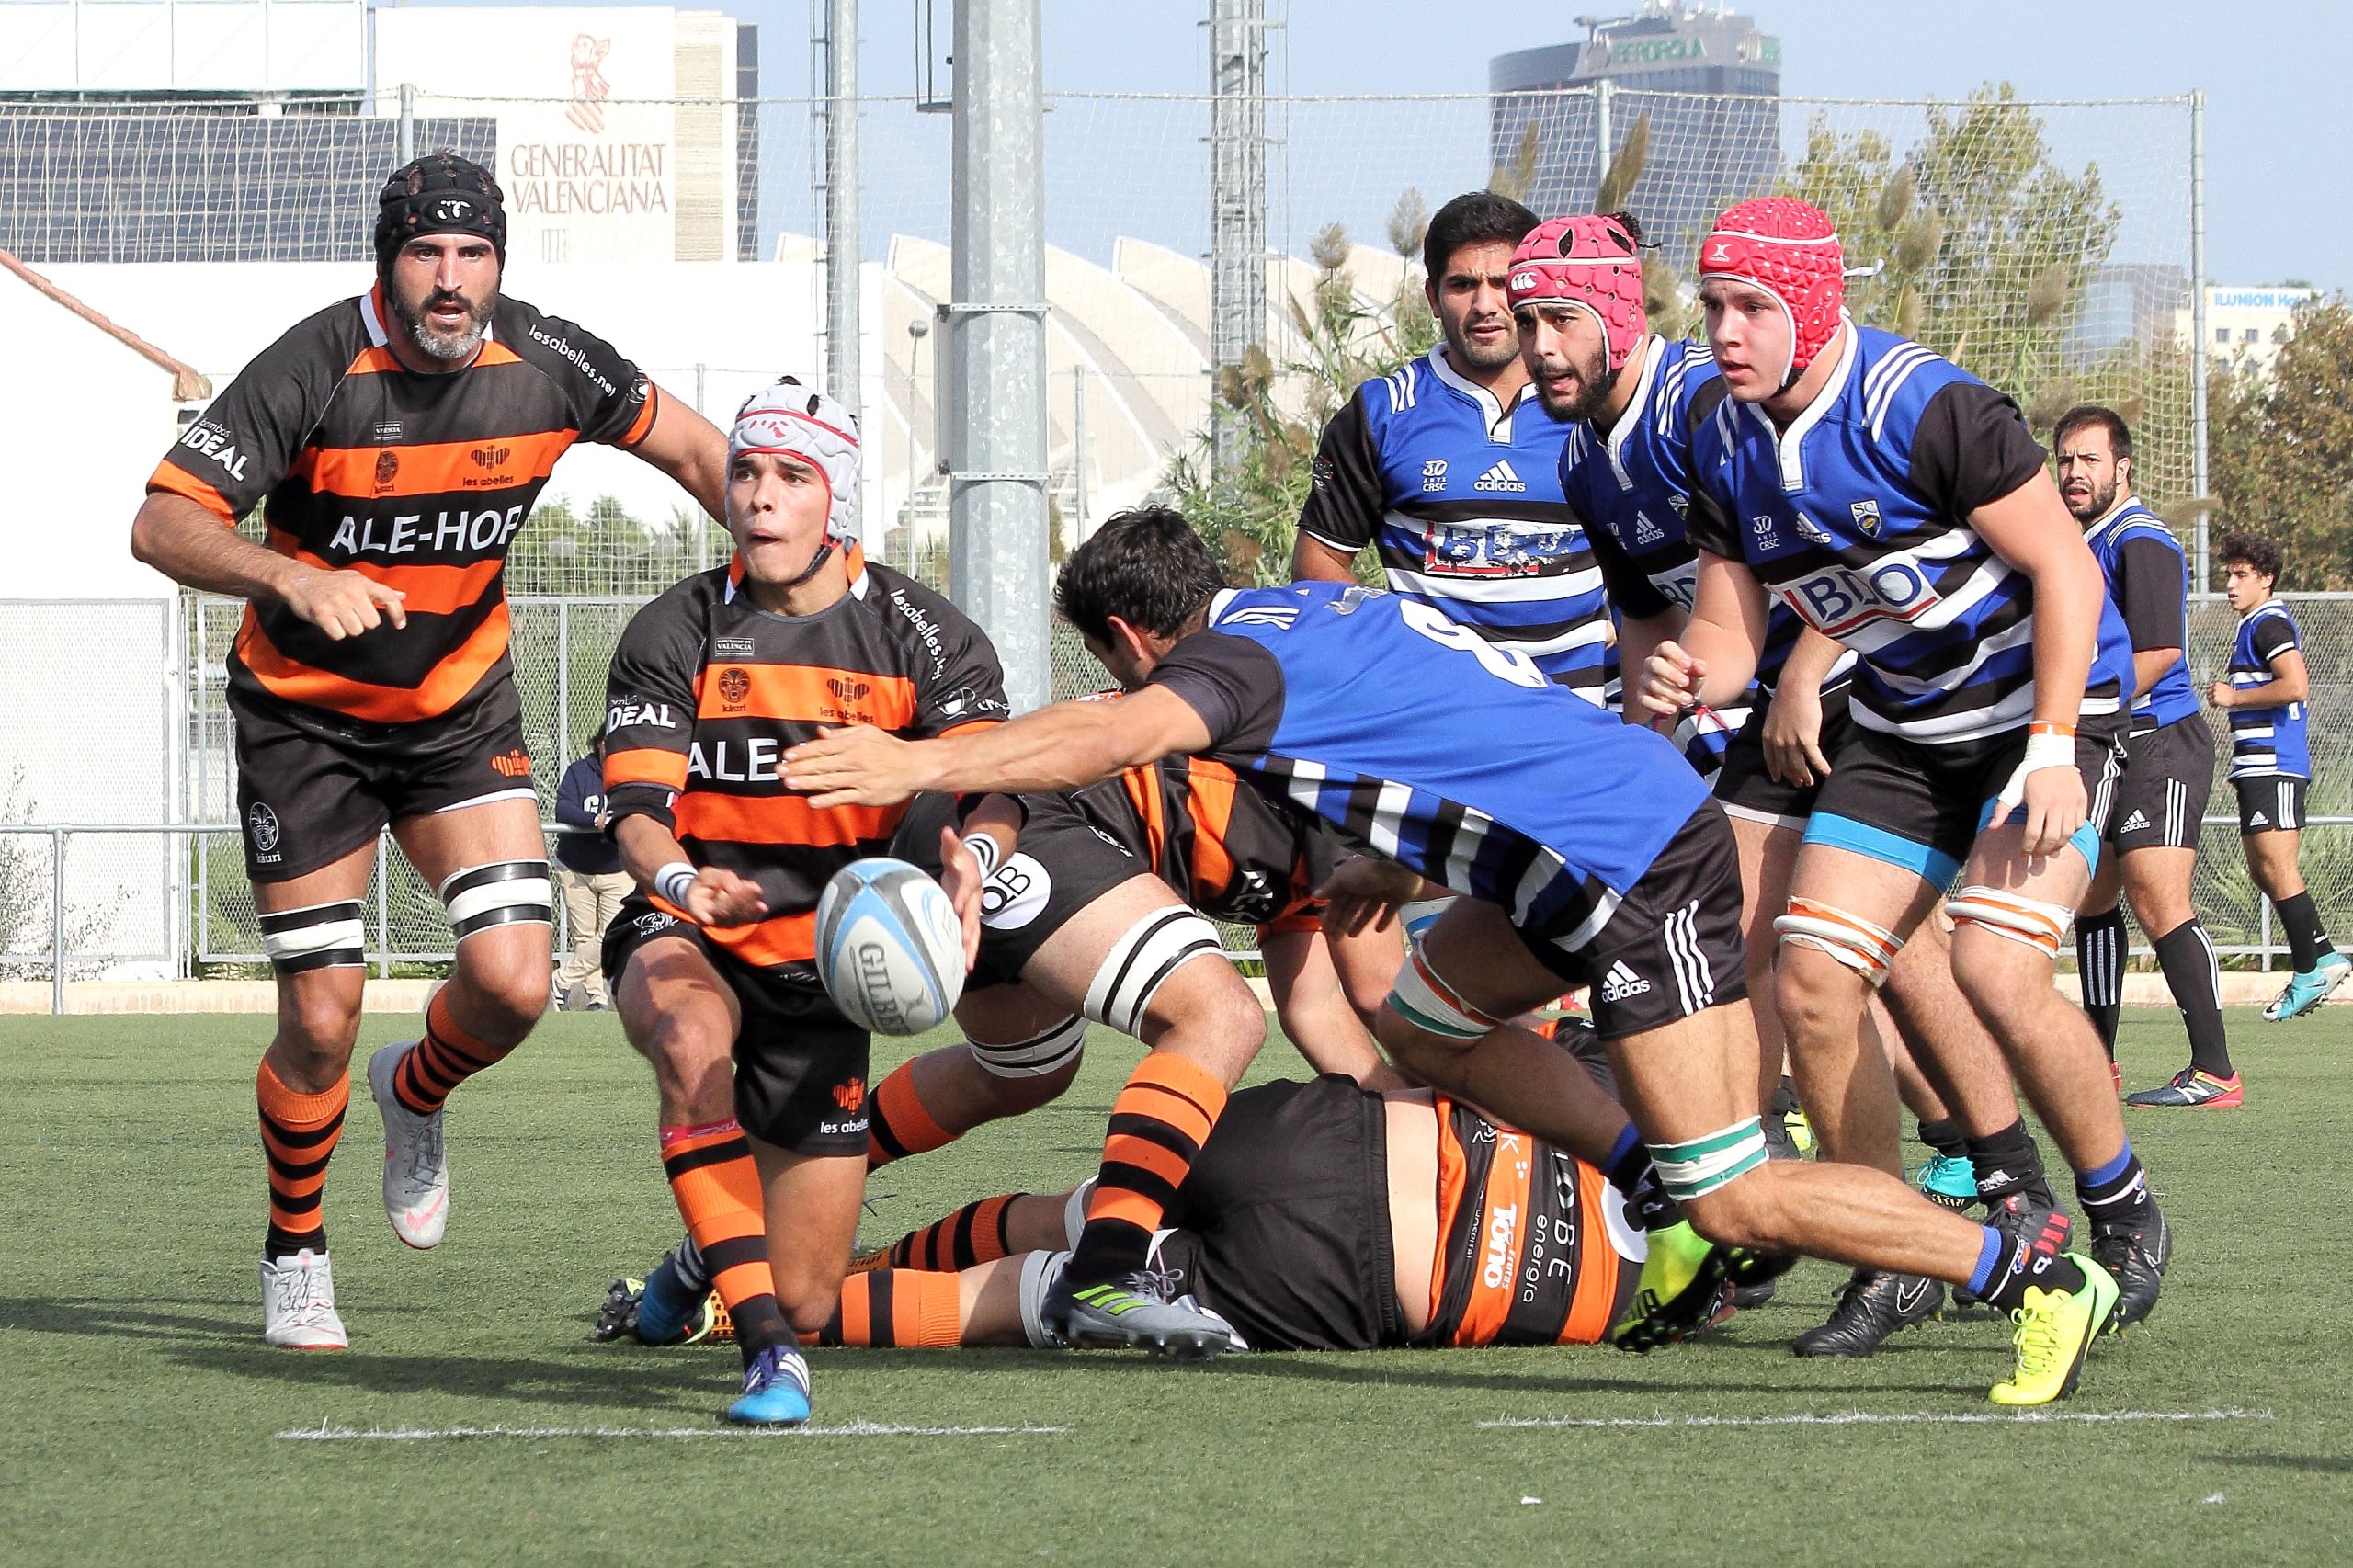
{"x":843,"y":354}
{"x":1237,"y":207}
{"x":991,"y":358}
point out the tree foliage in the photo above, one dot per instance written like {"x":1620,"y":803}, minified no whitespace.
{"x":2280,"y":447}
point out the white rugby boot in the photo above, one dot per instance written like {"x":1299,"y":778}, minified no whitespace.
{"x":298,"y":1303}
{"x":416,"y":1170}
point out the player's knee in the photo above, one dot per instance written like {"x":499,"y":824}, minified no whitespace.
{"x":1741,"y":1215}
{"x":1817,"y":998}
{"x":318,"y":1027}
{"x":500,"y":1003}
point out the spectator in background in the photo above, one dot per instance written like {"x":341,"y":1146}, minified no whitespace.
{"x":588,"y":874}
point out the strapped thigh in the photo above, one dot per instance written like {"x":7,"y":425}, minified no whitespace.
{"x":1870,"y":950}
{"x":1048,"y":1051}
{"x":319,"y":935}
{"x":1426,"y":1001}
{"x":500,"y":893}
{"x":2038,"y":924}
{"x":1142,"y":960}
{"x":1694,"y":1169}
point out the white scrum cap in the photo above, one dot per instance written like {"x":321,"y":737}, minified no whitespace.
{"x":804,"y":423}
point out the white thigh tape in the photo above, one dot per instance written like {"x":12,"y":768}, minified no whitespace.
{"x":500,"y":894}
{"x":1034,"y":1058}
{"x":1074,"y":1211}
{"x":1870,"y":950}
{"x":323,"y":935}
{"x":1151,"y":951}
{"x":2029,"y":920}
{"x":1425,"y":1000}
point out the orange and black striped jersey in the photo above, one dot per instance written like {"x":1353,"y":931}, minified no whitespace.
{"x":1227,"y":850}
{"x":1525,"y":1254}
{"x":707,"y":693}
{"x":416,"y":481}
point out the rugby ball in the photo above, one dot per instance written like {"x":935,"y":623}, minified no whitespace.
{"x":890,"y":947}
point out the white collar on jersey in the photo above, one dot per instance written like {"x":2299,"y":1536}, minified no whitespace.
{"x":1498,"y":417}
{"x":1637,"y":409}
{"x":2107,"y":518}
{"x":1788,"y":445}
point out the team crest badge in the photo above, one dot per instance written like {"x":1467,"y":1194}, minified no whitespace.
{"x":1866,"y":515}
{"x":734,"y":685}
{"x":388,"y":463}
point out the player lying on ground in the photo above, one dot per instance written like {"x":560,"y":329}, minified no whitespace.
{"x":1632,"y":401}
{"x":2267,"y":695}
{"x":762,"y":1080}
{"x":1899,"y":506}
{"x":1588,"y":851}
{"x":1319,"y":1216}
{"x":1075,"y":927}
{"x":399,"y":439}
{"x":2154,"y":823}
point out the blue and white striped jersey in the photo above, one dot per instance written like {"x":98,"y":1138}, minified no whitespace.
{"x":1630,"y":486}
{"x":2148,"y":580}
{"x":1424,"y":743}
{"x":2267,"y":741}
{"x":1856,"y":516}
{"x":1463,"y":497}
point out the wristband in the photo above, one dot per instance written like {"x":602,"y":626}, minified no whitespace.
{"x":673,"y":881}
{"x":983,"y":849}
{"x":2040,"y":727}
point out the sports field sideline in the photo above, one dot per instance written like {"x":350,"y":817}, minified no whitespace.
{"x":474,"y":1421}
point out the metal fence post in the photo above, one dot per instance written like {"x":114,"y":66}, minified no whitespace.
{"x":563,"y":686}
{"x":2263,"y":928}
{"x":406,"y":137}
{"x":56,"y":921}
{"x":2198,"y":330}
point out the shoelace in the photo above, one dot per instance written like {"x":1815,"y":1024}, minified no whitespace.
{"x":296,"y":1299}
{"x":2035,"y":1338}
{"x":425,"y":1154}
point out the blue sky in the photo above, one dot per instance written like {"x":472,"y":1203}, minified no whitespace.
{"x":2277,"y":105}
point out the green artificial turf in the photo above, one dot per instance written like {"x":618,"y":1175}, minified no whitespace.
{"x":145,"y":1422}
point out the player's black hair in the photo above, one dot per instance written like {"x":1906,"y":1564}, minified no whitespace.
{"x":1147,"y":565}
{"x":2258,"y":550}
{"x":1481,"y":217}
{"x":1628,"y":221}
{"x":2084,"y":417}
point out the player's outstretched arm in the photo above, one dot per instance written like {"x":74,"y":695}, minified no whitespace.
{"x":1312,"y":1008}
{"x":1065,"y":746}
{"x":1716,"y":656}
{"x":690,"y":449}
{"x":196,"y":547}
{"x":713,"y":895}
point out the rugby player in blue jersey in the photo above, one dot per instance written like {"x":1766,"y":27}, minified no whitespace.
{"x":1899,"y":505}
{"x":1631,"y":400}
{"x":1584,"y":852}
{"x":1449,"y":470}
{"x":2271,"y":763}
{"x":2152,"y":825}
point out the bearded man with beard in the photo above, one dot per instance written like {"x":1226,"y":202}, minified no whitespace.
{"x":396,"y":442}
{"x":1450,"y":470}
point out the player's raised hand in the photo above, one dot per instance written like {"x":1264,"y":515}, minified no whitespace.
{"x":720,"y":898}
{"x":960,"y":880}
{"x":854,"y":765}
{"x":342,"y":604}
{"x":1671,"y":678}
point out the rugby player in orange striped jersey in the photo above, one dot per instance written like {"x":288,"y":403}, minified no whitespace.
{"x":399,"y":439}
{"x":713,"y":961}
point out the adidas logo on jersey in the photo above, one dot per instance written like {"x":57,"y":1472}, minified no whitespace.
{"x":2136,"y":823}
{"x":1646,"y":531}
{"x":1813,"y":532}
{"x":1621,"y":982}
{"x":1499,"y":477}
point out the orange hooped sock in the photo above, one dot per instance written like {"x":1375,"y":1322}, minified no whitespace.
{"x":899,"y":1125}
{"x":717,"y":1184}
{"x":446,"y":1057}
{"x":1158,"y":1125}
{"x":972,"y":1235}
{"x":299,"y":1134}
{"x":897,"y":1308}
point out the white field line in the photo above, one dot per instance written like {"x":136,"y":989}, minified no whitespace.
{"x":324,"y":1433}
{"x":1866,"y":1418}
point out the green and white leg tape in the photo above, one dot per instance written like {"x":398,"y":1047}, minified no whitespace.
{"x":1708,"y":1164}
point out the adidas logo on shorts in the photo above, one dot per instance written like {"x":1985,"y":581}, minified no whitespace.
{"x":1500,"y":477}
{"x":2258,"y":819}
{"x":2136,"y":823}
{"x":1621,"y":982}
